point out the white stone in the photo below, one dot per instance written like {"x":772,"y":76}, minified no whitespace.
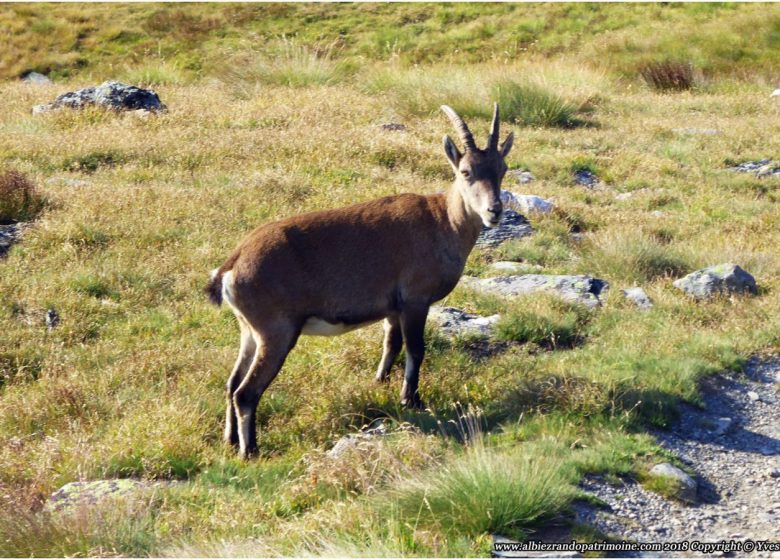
{"x":526,"y":203}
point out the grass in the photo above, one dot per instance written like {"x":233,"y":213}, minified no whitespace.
{"x":131,"y":382}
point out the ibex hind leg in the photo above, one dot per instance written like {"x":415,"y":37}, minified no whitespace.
{"x":273,"y":345}
{"x":391,"y":347}
{"x":246,"y":354}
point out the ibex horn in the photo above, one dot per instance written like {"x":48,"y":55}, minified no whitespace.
{"x":493,"y":138}
{"x":461,"y":127}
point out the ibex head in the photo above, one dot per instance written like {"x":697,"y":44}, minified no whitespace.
{"x":478,"y":173}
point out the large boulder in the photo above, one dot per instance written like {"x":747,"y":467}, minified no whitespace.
{"x":111,"y":95}
{"x":582,"y":289}
{"x":456,"y":322}
{"x":721,"y":279}
{"x":512,"y":226}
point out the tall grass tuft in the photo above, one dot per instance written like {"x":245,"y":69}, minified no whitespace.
{"x":488,"y":491}
{"x":668,"y":75}
{"x":19,"y":199}
{"x":533,"y":105}
{"x":289,"y":64}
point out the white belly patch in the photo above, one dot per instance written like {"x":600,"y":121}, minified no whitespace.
{"x":315,"y":326}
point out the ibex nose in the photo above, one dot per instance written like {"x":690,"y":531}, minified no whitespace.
{"x":496,"y":209}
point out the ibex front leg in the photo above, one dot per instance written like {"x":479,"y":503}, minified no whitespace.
{"x":391,"y":348}
{"x":413,"y":328}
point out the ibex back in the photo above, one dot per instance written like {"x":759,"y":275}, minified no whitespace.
{"x":326,"y":273}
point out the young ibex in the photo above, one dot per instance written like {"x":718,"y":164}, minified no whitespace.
{"x":326,"y":273}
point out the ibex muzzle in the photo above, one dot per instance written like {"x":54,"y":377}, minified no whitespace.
{"x":326,"y":273}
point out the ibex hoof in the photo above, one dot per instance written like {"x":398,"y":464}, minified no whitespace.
{"x":414,"y":403}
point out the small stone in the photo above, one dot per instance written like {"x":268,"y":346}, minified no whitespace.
{"x":35,"y":78}
{"x":638,"y":297}
{"x":523,"y":176}
{"x":393,"y":127}
{"x":775,"y":93}
{"x":687,"y":485}
{"x":719,"y":279}
{"x":773,"y":473}
{"x":722,"y":426}
{"x":52,"y":319}
{"x":753,"y":396}
{"x":586,"y":178}
{"x":456,"y":322}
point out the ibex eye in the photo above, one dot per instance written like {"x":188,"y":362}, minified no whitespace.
{"x":466,"y":173}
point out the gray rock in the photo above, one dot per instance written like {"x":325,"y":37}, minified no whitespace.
{"x":52,"y":319}
{"x":522,"y":176}
{"x":638,"y":297}
{"x":92,"y":492}
{"x":35,"y":78}
{"x":761,"y":168}
{"x":456,"y":322}
{"x":753,"y":396}
{"x":775,"y":93}
{"x":526,"y":203}
{"x":580,"y":289}
{"x":719,"y":279}
{"x":773,"y":473}
{"x":687,"y":486}
{"x":512,"y":226}
{"x":111,"y":95}
{"x":354,"y":441}
{"x":586,"y":179}
{"x":9,"y":234}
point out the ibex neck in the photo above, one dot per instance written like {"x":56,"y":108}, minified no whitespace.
{"x":465,"y":225}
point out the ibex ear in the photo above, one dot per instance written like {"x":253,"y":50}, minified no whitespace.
{"x":506,"y":145}
{"x":452,"y":152}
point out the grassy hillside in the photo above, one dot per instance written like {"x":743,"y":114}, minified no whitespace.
{"x":274,"y":111}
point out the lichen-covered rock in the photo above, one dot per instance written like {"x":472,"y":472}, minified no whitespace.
{"x":526,"y":203}
{"x":93,"y":492}
{"x":638,"y":297}
{"x":580,"y":289}
{"x":721,"y":279}
{"x":456,"y":322}
{"x":686,"y":485}
{"x":111,"y":95}
{"x":761,"y":168}
{"x":512,"y":226}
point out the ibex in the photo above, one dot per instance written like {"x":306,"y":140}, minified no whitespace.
{"x":327,"y":273}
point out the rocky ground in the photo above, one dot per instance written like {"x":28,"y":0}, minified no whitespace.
{"x":733,"y":446}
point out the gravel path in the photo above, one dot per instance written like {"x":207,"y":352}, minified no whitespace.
{"x":733,"y":446}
